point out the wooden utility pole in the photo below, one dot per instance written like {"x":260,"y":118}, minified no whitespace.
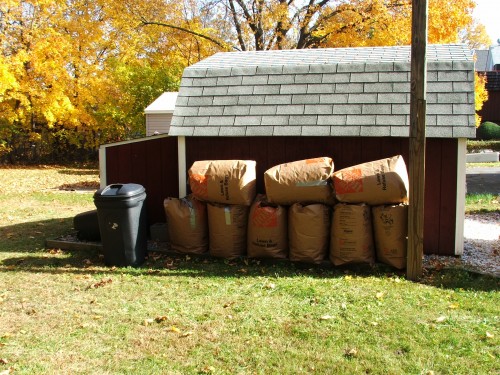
{"x":416,"y":168}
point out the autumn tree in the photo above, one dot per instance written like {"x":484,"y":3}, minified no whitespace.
{"x":75,"y":75}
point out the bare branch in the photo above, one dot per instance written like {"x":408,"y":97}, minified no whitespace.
{"x":237,"y":25}
{"x":221,"y":44}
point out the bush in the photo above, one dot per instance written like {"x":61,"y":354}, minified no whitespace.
{"x":478,"y":146}
{"x":488,"y":130}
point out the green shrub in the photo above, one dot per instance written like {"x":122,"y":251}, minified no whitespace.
{"x":488,"y":130}
{"x":478,"y":146}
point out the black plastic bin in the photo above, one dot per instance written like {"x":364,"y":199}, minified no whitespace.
{"x":122,"y":222}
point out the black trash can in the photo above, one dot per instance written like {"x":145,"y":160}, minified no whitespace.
{"x":122,"y":222}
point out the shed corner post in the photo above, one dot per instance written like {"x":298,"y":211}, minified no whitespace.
{"x":181,"y":157}
{"x":461,"y":192}
{"x":103,"y":179}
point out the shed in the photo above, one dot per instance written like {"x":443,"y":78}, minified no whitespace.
{"x":348,"y":103}
{"x":159,"y":113}
{"x":488,"y":65}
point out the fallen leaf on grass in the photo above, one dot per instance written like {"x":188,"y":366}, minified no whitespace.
{"x":453,"y":306}
{"x":207,"y":370}
{"x":169,"y":264}
{"x":161,"y":318}
{"x":10,"y":370}
{"x":351,"y":352}
{"x":440,"y":319}
{"x":99,"y":284}
{"x":326,"y":317}
{"x":87,"y":262}
{"x":186,"y":334}
{"x":489,"y":335}
{"x":148,"y":322}
{"x":55,"y":251}
{"x":270,"y":286}
{"x":174,"y":329}
{"x":3,"y":361}
{"x":380,"y":295}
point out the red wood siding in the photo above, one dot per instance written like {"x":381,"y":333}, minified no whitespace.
{"x":151,"y":163}
{"x":156,"y":168}
{"x":491,"y":108}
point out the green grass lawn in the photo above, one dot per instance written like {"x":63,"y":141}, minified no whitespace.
{"x":66,"y":313}
{"x":477,"y":203}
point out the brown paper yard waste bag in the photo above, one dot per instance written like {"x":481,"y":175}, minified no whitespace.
{"x":377,"y":182}
{"x":308,"y":232}
{"x":390,"y":229}
{"x":267,"y":235}
{"x":300,"y":181}
{"x":351,"y":235}
{"x":224,"y":181}
{"x":227,"y":230}
{"x":187,"y":224}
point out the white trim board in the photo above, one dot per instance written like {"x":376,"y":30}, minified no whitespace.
{"x":461,"y":191}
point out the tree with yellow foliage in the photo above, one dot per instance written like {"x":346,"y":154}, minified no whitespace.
{"x":77,"y":73}
{"x":65,"y":69}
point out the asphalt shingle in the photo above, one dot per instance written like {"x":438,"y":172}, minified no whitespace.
{"x":326,"y":92}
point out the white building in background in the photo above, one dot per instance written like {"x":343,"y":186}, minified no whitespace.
{"x":159,"y":114}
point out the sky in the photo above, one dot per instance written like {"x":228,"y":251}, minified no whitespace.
{"x":488,"y":13}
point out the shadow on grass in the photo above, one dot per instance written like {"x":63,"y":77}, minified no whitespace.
{"x":159,"y":264}
{"x":29,"y":239}
{"x":30,"y":236}
{"x":83,"y":185}
{"x":457,"y":278}
{"x":80,"y":172}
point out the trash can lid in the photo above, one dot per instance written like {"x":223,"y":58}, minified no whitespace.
{"x":120,"y":191}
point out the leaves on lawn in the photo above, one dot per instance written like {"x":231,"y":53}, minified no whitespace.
{"x":207,"y":370}
{"x":160,"y":319}
{"x":100,"y":284}
{"x":326,"y":317}
{"x":350,"y":352}
{"x":270,"y":286}
{"x":380,"y":295}
{"x":174,"y":329}
{"x":489,"y":335}
{"x":440,"y":319}
{"x":148,"y":322}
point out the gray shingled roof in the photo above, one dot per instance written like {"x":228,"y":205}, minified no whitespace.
{"x":326,"y":92}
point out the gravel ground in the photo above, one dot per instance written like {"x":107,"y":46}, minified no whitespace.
{"x":481,"y":246}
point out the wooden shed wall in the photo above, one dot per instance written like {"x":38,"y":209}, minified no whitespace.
{"x":153,"y":163}
{"x":491,"y":107}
